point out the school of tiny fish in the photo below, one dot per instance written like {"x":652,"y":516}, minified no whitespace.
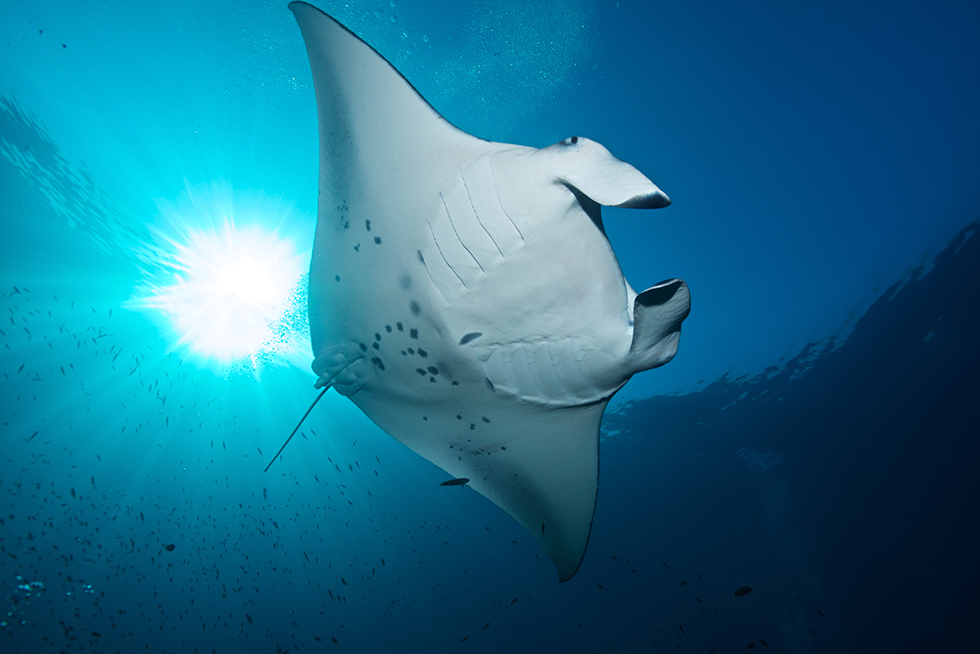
{"x":205,"y":542}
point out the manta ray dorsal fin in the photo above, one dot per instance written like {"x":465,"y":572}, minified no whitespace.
{"x":371,"y":119}
{"x":591,"y":169}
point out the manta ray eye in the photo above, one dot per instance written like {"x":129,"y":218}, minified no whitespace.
{"x":570,"y":141}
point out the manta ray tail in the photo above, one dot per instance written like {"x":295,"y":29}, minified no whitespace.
{"x":301,"y":420}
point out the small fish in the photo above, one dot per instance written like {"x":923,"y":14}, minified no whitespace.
{"x":821,"y":614}
{"x":170,"y":548}
{"x":741,"y":592}
{"x":763,"y":643}
{"x":249,"y":618}
{"x":684,"y":583}
{"x":462,"y":481}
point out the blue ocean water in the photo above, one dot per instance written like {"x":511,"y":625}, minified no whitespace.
{"x":812,"y":440}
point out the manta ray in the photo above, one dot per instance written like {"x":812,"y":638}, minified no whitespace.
{"x":463,"y":293}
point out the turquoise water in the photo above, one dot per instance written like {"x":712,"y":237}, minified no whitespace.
{"x":819,"y":158}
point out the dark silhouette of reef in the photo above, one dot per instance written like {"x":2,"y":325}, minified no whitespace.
{"x":879,"y":448}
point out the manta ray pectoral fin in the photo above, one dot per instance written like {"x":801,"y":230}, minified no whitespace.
{"x":551,"y":490}
{"x":657,"y":316}
{"x":374,"y":125}
{"x":539,"y":464}
{"x":592,"y":170}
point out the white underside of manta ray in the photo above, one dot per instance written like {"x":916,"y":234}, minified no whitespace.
{"x":464,"y":295}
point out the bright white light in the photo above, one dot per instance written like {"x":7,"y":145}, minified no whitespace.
{"x":223,"y":280}
{"x":229,"y":290}
{"x":248,"y":280}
